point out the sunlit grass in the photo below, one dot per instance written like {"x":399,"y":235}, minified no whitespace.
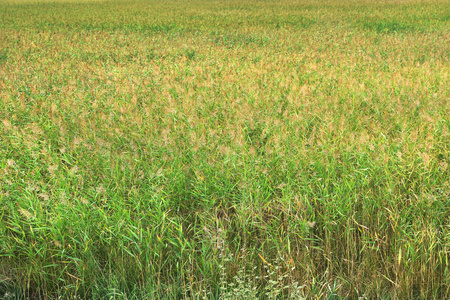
{"x":224,"y":149}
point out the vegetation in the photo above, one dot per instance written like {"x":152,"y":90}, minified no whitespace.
{"x":222,"y":149}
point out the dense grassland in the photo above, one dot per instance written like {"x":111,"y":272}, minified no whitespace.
{"x":224,"y":149}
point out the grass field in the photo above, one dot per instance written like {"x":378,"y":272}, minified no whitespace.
{"x":219,"y":149}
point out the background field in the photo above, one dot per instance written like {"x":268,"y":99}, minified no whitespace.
{"x":211,"y":149}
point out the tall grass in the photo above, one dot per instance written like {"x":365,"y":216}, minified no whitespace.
{"x":224,"y":149}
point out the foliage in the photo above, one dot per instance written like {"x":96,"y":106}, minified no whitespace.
{"x":216,"y":149}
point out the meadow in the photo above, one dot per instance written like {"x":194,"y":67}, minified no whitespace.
{"x":224,"y":149}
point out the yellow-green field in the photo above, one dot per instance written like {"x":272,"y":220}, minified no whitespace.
{"x":221,"y":149}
